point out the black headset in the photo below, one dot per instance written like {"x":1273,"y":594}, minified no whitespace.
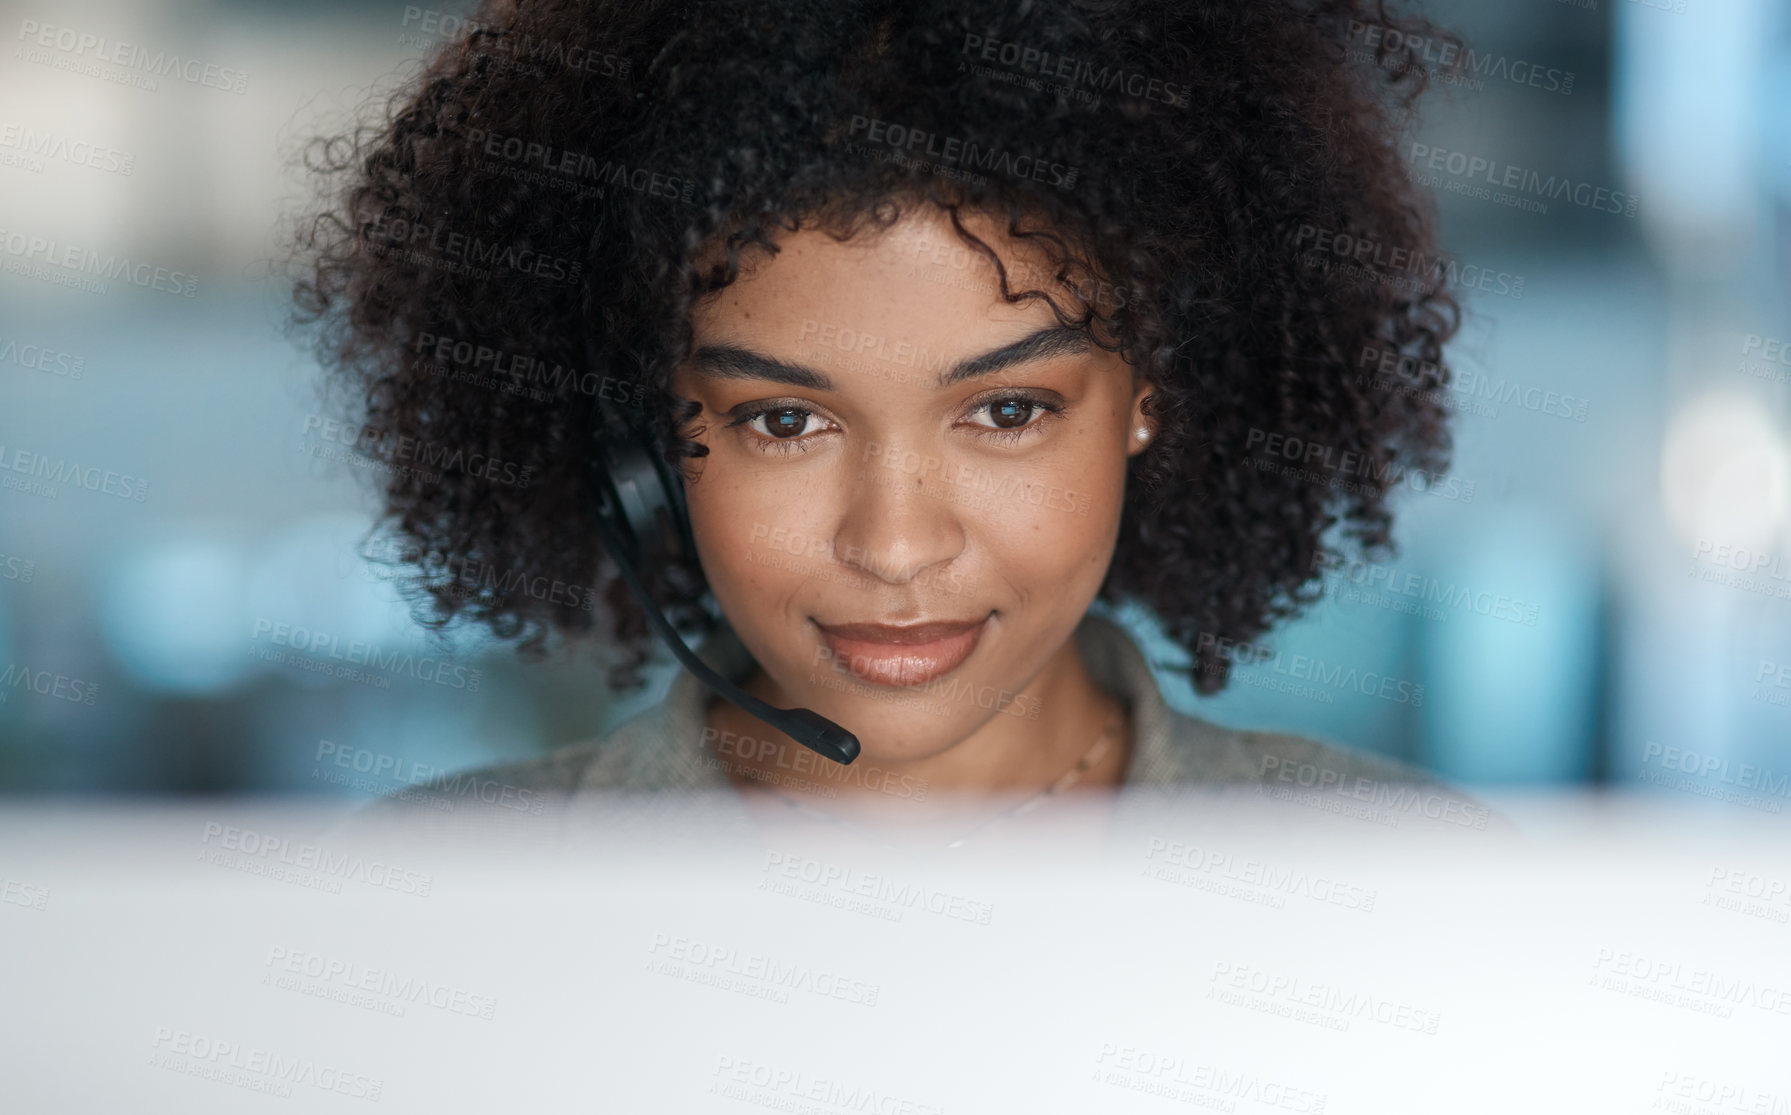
{"x":637,"y":498}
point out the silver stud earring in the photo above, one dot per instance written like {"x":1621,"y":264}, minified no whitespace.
{"x":1143,"y":433}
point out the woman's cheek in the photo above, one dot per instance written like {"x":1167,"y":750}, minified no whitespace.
{"x":1066,"y":502}
{"x":1045,"y":533}
{"x":1063,"y":523}
{"x":756,"y":538}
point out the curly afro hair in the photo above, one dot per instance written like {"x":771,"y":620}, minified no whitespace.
{"x":530,"y":219}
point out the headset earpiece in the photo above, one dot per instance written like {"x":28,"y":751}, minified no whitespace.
{"x":638,"y":492}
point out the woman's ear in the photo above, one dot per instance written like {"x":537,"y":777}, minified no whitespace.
{"x":1142,"y":429}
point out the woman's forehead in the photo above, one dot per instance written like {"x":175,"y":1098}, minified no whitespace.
{"x":917,"y":275}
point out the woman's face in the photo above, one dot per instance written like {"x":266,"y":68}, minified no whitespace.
{"x":891,"y":445}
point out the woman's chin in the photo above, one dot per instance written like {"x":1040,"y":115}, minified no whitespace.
{"x":905,"y":727}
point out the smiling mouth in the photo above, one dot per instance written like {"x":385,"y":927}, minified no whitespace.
{"x":909,"y":655}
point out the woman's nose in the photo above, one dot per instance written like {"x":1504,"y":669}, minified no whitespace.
{"x":898,"y":518}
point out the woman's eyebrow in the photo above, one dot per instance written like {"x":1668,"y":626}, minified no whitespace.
{"x":735,"y":362}
{"x":1053,"y":340}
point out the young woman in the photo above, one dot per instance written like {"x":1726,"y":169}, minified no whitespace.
{"x":955,"y":318}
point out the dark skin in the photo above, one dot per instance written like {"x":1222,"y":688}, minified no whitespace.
{"x":885,"y":496}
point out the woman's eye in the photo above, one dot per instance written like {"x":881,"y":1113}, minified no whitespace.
{"x":783,"y":423}
{"x":1010,"y":414}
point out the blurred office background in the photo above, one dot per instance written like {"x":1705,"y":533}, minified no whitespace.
{"x":1598,"y":598}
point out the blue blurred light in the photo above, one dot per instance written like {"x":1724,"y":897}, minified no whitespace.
{"x":170,"y":614}
{"x":1508,"y":701}
{"x":311,"y":576}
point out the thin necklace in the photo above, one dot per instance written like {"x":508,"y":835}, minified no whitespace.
{"x":1089,"y":759}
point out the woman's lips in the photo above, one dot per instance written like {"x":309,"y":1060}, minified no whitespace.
{"x":904,"y":656}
